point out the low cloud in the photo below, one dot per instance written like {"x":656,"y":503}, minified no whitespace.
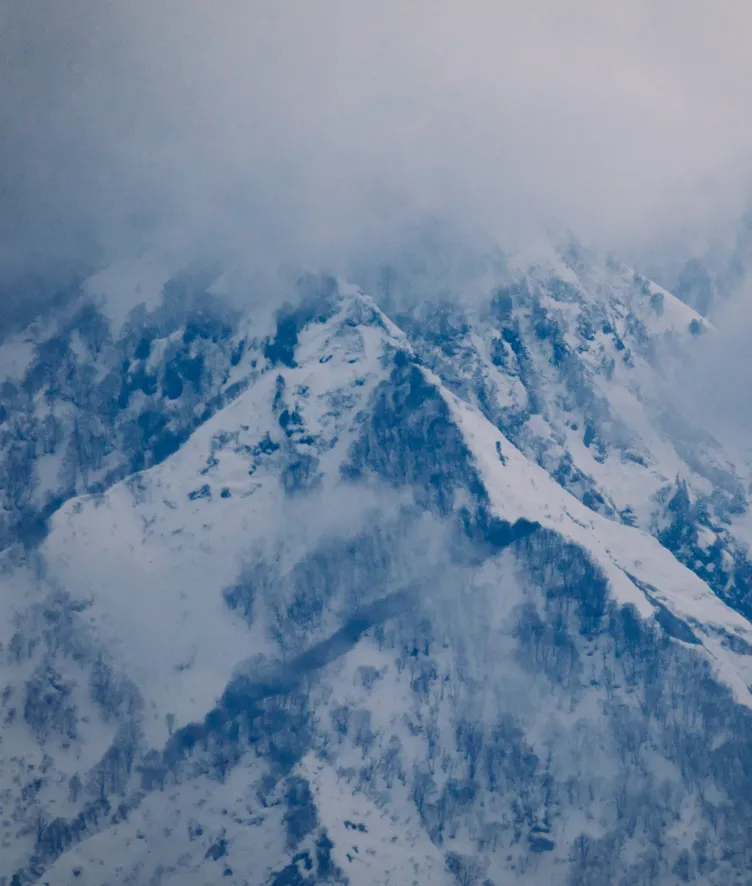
{"x":714,"y":389}
{"x":302,"y":131}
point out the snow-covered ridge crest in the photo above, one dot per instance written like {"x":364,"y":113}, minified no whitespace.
{"x":521,"y":489}
{"x":314,"y":404}
{"x":499,"y":727}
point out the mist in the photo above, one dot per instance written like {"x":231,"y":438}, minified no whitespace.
{"x":303,"y":132}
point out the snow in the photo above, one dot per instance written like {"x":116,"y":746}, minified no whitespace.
{"x":47,"y":468}
{"x":147,"y":562}
{"x":125,"y":285}
{"x":153,"y":563}
{"x":153,"y":843}
{"x":676,"y":315}
{"x":522,"y":490}
{"x":372,"y":845}
{"x":16,"y":355}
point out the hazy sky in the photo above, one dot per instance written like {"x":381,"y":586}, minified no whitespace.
{"x":300,"y":129}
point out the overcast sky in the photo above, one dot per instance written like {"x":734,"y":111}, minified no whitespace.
{"x":305,"y":128}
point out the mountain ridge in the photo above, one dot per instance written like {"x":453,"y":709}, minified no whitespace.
{"x":342,"y":456}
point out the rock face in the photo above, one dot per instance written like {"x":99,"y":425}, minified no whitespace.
{"x":396,"y":589}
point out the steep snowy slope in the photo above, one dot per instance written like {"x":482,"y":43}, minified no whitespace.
{"x":190,"y":522}
{"x":574,"y":361}
{"x":356,"y":628}
{"x":89,"y":398}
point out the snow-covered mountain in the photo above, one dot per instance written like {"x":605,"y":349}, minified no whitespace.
{"x":425,"y":586}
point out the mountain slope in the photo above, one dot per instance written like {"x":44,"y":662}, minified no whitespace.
{"x":574,"y":361}
{"x":358,"y":626}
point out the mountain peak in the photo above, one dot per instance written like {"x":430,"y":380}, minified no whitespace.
{"x":383,"y":588}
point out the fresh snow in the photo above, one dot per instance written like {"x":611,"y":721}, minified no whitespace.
{"x":521,"y":489}
{"x":145,"y":564}
{"x":126,"y":285}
